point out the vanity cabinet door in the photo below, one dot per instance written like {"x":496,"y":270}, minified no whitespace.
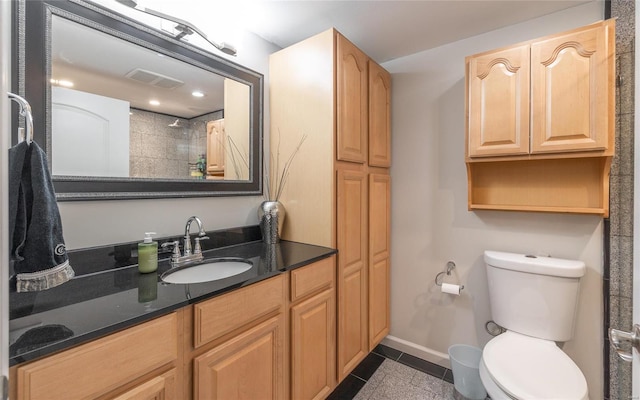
{"x":379,"y":116}
{"x":571,"y":78}
{"x":379,"y":257}
{"x":352,"y":270}
{"x":248,"y":366}
{"x":162,"y":387}
{"x":313,"y":347}
{"x":313,"y":330}
{"x":352,"y":102}
{"x":498,"y":102}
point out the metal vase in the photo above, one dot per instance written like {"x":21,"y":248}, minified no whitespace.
{"x":271,"y":215}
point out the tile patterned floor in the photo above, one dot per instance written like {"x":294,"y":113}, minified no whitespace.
{"x":388,"y":374}
{"x":393,"y":381}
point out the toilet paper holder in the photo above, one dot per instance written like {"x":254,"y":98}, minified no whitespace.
{"x":440,"y":277}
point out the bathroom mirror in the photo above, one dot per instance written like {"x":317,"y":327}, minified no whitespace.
{"x":127,"y":111}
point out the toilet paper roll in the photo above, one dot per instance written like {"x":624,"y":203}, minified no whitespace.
{"x":451,"y":289}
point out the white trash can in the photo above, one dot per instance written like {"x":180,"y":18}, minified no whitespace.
{"x":465,"y":364}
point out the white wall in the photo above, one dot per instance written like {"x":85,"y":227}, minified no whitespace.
{"x":431,"y":223}
{"x":94,"y":223}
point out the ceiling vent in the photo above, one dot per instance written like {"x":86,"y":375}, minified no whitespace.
{"x":153,"y":78}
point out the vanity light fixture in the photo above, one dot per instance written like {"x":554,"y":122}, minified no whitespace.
{"x":197,"y":93}
{"x":154,"y":102}
{"x":185,"y":28}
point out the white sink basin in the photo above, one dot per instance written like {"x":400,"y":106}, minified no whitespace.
{"x":211,"y":270}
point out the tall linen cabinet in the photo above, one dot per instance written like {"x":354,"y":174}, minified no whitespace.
{"x":338,"y":189}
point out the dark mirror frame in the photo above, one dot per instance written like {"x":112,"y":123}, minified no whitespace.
{"x":32,"y":48}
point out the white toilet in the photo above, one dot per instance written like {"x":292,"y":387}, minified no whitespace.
{"x":535,"y":300}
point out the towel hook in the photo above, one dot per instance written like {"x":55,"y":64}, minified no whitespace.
{"x":25,"y":111}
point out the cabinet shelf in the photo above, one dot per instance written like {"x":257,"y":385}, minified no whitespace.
{"x":569,"y":185}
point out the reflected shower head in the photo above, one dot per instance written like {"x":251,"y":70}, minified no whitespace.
{"x":175,"y":124}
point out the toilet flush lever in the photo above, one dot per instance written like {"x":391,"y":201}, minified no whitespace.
{"x":619,"y":340}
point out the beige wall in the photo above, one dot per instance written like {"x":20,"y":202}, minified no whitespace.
{"x":431,"y":224}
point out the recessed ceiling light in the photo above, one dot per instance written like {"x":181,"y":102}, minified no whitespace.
{"x":154,"y":102}
{"x":197,"y":93}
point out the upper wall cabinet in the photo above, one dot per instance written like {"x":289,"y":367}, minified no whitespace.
{"x":552,"y":95}
{"x":540,"y":123}
{"x":572,"y":90}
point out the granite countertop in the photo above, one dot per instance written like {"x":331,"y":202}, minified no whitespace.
{"x":97,"y":303}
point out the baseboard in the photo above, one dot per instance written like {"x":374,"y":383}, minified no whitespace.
{"x":416,"y":350}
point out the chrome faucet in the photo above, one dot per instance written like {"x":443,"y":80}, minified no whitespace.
{"x":187,"y":238}
{"x":188,"y":255}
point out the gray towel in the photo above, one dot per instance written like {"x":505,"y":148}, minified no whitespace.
{"x":38,"y":251}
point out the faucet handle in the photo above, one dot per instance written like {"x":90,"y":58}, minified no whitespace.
{"x":176,"y":249}
{"x":197,"y":249}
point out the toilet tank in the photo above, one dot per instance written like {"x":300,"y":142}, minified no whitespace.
{"x":533,"y":295}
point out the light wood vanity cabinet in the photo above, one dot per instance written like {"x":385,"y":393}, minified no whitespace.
{"x":162,"y":387}
{"x":540,"y":123}
{"x":137,"y":363}
{"x":250,"y":343}
{"x":248,"y":366}
{"x":239,"y":343}
{"x":313,"y":330}
{"x":340,"y":99}
{"x":231,"y":312}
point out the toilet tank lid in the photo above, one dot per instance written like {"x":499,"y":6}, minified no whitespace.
{"x":535,"y":264}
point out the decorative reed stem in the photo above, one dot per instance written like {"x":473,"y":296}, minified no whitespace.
{"x":281,"y":177}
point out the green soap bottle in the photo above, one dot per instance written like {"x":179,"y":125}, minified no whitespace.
{"x":148,"y":254}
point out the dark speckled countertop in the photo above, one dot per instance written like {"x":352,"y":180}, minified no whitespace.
{"x":109,"y":295}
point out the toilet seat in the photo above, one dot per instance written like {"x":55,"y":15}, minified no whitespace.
{"x":529,"y":368}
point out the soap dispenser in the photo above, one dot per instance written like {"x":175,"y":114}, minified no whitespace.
{"x":148,"y":254}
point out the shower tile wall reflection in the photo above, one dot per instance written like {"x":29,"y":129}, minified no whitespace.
{"x":162,"y":148}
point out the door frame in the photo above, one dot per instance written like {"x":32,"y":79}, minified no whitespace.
{"x":5,"y":143}
{"x":635,"y":374}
